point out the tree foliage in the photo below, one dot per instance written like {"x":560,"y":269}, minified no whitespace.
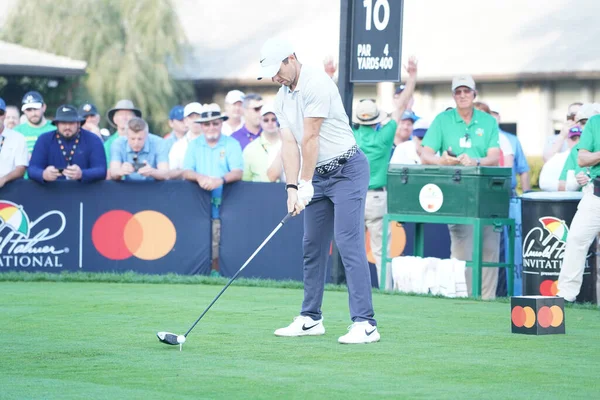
{"x":128,"y":44}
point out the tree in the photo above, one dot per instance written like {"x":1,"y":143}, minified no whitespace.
{"x":128,"y":44}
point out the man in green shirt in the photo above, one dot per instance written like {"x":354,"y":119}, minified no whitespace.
{"x":119,"y":117}
{"x":374,"y":132}
{"x":586,"y":222}
{"x":469,"y":137}
{"x":34,"y":108}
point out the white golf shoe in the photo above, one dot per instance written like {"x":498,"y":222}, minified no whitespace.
{"x":360,"y":332}
{"x":302,"y":326}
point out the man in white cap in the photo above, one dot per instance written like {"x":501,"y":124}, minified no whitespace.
{"x":333,"y":183}
{"x":233,"y":109}
{"x":467,"y":136}
{"x":212,"y":161}
{"x":191,"y":113}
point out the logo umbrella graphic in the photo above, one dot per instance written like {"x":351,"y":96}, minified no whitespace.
{"x":13,"y":216}
{"x":556,"y":227}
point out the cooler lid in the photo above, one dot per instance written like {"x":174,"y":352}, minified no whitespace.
{"x":448,"y":170}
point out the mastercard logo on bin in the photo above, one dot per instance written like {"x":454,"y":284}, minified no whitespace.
{"x":546,"y":317}
{"x":147,"y":235}
{"x":549,"y":287}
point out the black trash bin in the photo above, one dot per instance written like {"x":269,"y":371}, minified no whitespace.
{"x":546,"y":217}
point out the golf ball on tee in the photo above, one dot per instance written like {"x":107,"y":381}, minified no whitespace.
{"x":180,"y":339}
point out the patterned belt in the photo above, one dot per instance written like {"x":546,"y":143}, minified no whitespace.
{"x":337,"y":162}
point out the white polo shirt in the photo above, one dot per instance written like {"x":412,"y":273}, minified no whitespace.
{"x":316,"y":96}
{"x":14,"y":151}
{"x":178,"y":150}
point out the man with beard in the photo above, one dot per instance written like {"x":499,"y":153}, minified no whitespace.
{"x":34,"y":109}
{"x":68,"y":152}
{"x":213,"y":160}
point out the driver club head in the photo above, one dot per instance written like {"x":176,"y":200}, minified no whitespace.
{"x":171,"y":338}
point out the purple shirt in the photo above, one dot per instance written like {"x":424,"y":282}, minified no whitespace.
{"x":244,"y":136}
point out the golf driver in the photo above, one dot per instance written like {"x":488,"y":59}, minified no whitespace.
{"x":172,"y":338}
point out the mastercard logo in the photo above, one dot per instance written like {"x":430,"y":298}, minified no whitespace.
{"x":546,"y":317}
{"x":147,"y":235}
{"x":549,"y":288}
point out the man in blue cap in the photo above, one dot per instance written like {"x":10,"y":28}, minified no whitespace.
{"x":13,"y":151}
{"x":68,"y":152}
{"x":34,"y":108}
{"x":178,"y":128}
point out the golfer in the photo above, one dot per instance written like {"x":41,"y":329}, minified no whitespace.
{"x":332,"y":184}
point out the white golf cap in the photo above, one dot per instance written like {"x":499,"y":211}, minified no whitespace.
{"x":272,"y":53}
{"x":192,"y":108}
{"x":233,"y":96}
{"x":463,"y":80}
{"x":267,"y":108}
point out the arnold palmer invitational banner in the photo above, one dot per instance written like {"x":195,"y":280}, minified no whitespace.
{"x":161,"y":227}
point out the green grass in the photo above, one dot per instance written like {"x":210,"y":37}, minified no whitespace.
{"x":69,"y":336}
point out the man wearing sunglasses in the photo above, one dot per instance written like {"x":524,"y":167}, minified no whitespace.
{"x":469,"y":137}
{"x":251,"y":130}
{"x":558,"y":143}
{"x":572,"y":176}
{"x":262,"y":157}
{"x":328,"y":175}
{"x":14,"y":157}
{"x":212,"y":161}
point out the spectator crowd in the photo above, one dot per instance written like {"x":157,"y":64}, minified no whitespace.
{"x":214,"y":148}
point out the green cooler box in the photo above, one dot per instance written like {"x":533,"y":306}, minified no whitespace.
{"x":449,"y":191}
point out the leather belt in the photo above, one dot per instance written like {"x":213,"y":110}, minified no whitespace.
{"x":337,"y":162}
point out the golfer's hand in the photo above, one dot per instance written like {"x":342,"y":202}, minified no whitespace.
{"x":582,"y":179}
{"x":292,"y":201}
{"x":305,"y":193}
{"x":50,"y":174}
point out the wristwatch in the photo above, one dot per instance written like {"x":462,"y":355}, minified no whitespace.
{"x":291,"y":186}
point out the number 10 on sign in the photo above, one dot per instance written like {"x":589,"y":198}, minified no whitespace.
{"x":374,"y":12}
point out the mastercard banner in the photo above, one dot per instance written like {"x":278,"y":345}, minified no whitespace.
{"x":537,"y":315}
{"x":147,"y":227}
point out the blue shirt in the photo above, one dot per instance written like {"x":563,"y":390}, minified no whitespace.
{"x":89,"y":156}
{"x":216,"y":161}
{"x":520,"y":164}
{"x":153,"y":152}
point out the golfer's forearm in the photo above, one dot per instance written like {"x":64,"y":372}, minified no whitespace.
{"x":310,"y":153}
{"x":291,"y":161}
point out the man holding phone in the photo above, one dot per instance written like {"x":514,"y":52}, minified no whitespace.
{"x":68,"y":152}
{"x":468,"y":137}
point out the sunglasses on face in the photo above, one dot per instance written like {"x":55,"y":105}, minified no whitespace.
{"x":213,"y":123}
{"x":267,"y":120}
{"x":257,"y":109}
{"x":459,"y":92}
